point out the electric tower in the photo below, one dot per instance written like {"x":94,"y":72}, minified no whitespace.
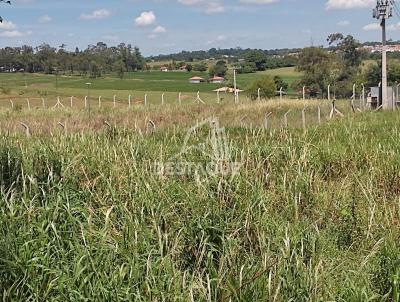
{"x":382,"y":12}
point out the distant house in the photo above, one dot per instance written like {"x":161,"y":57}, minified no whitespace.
{"x":196,"y":80}
{"x":164,"y":69}
{"x":217,"y":80}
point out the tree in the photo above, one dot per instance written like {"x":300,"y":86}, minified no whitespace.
{"x":347,"y":47}
{"x":319,"y":69}
{"x":280,"y":83}
{"x":220,"y":69}
{"x":267,"y":87}
{"x":119,"y":68}
{"x":258,"y":58}
{"x":201,"y":67}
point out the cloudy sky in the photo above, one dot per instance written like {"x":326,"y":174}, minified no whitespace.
{"x":164,"y":26}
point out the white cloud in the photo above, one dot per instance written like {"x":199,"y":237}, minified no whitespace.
{"x":259,"y":1}
{"x":159,"y":30}
{"x":7,"y":25}
{"x":11,"y":34}
{"x":96,"y":15}
{"x":372,"y":26}
{"x":349,"y":4}
{"x":208,"y":6}
{"x":146,"y":19}
{"x":45,"y":19}
{"x":343,"y":23}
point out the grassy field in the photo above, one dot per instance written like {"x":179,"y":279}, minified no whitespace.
{"x":87,"y":214}
{"x":138,"y":82}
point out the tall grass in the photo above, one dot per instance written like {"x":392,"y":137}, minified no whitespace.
{"x":313,"y":216}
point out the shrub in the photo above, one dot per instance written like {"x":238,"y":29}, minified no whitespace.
{"x":267,"y":87}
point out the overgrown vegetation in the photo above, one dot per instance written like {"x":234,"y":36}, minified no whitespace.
{"x":312,"y":216}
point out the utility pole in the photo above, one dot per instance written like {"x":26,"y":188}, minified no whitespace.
{"x":235,"y":86}
{"x":382,"y":12}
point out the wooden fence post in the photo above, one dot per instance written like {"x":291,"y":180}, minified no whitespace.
{"x":100,"y":101}
{"x":145,"y":100}
{"x":266,"y":120}
{"x":29,"y":104}
{"x":43,"y":104}
{"x":12,"y":104}
{"x":285,"y":120}
{"x":115,"y":100}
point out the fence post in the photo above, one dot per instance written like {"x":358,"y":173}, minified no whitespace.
{"x":100,"y":101}
{"x":281,"y":93}
{"x":303,"y":117}
{"x":162,"y":99}
{"x":266,"y":120}
{"x":179,"y":98}
{"x":86,"y":101}
{"x":27,"y":130}
{"x":353,"y":96}
{"x":362,"y":105}
{"x":12,"y":104}
{"x":43,"y":104}
{"x":259,"y":94}
{"x":285,"y":120}
{"x":329,"y":92}
{"x":304,"y":93}
{"x":29,"y":104}
{"x":145,"y":100}
{"x":71,"y":100}
{"x":319,"y":115}
{"x":115,"y":100}
{"x":129,"y":101}
{"x":218,"y":99}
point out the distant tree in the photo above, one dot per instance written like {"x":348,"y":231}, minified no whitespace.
{"x":220,"y":69}
{"x":347,"y":47}
{"x":189,"y":67}
{"x":267,"y":87}
{"x":279,"y":82}
{"x":319,"y":69}
{"x":258,"y":58}
{"x":201,"y":67}
{"x":120,"y":68}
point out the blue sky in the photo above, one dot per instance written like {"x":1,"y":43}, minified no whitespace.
{"x":165,"y":26}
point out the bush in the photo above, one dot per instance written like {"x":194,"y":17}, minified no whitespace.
{"x":267,"y":87}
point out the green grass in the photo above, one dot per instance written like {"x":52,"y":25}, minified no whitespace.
{"x":143,"y":82}
{"x":312,"y":216}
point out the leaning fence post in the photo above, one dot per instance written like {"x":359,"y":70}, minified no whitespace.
{"x":285,"y":120}
{"x":115,"y":100}
{"x":266,"y":120}
{"x":99,"y":101}
{"x":27,"y":130}
{"x":29,"y":104}
{"x":12,"y":104}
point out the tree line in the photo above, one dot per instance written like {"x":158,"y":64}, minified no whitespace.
{"x":342,"y":65}
{"x":93,"y":61}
